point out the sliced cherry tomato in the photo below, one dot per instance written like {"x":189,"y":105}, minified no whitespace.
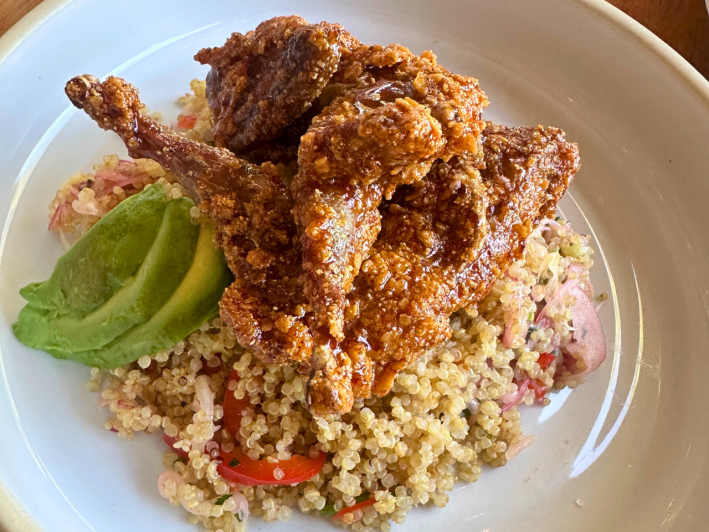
{"x":233,"y":407}
{"x":545,"y":360}
{"x":538,"y":387}
{"x":243,"y":470}
{"x":350,"y":509}
{"x":170,"y":441}
{"x":186,"y":121}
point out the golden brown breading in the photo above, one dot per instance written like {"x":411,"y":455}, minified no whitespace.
{"x":404,"y":112}
{"x":262,"y":81}
{"x":430,"y":230}
{"x":445,"y":241}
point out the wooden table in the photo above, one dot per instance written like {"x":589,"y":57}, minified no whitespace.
{"x":683,"y":24}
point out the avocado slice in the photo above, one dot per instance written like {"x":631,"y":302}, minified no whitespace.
{"x":153,"y":278}
{"x":195,"y":301}
{"x":141,"y":296}
{"x":103,"y":260}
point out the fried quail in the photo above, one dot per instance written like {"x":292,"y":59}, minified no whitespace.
{"x":402,"y":210}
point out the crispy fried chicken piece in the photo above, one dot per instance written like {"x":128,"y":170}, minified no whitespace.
{"x":262,"y":81}
{"x":250,"y":207}
{"x":386,"y":130}
{"x":443,"y":243}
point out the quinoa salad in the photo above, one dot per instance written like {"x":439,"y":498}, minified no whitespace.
{"x":450,"y":414}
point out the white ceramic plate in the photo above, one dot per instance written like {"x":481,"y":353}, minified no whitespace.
{"x":630,"y":445}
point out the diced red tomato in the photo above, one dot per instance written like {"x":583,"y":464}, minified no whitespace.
{"x":538,"y":387}
{"x":240,"y":469}
{"x":545,"y":360}
{"x":248,"y":472}
{"x":233,"y":407}
{"x":350,"y":509}
{"x":170,"y":441}
{"x":186,"y":121}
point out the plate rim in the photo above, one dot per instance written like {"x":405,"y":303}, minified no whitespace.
{"x":29,"y":23}
{"x":16,"y":518}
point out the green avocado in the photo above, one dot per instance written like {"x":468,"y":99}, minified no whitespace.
{"x":103,"y":259}
{"x":174,"y":287}
{"x":141,"y":296}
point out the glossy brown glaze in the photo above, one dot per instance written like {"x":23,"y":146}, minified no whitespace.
{"x":398,"y":113}
{"x":261,"y":81}
{"x":445,"y":241}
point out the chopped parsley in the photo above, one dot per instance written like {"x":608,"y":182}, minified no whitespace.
{"x":238,"y":517}
{"x":221,"y":500}
{"x":467,"y":413}
{"x":364,"y":497}
{"x":328,"y":511}
{"x":531,"y":329}
{"x":181,"y":459}
{"x":234,"y":462}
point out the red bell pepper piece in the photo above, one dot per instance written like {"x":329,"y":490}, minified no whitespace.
{"x":350,"y":509}
{"x":186,"y":121}
{"x":539,"y":388}
{"x":545,"y":360}
{"x":243,"y":470}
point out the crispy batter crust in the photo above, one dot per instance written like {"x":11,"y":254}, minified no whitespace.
{"x":444,"y":242}
{"x":262,"y":81}
{"x":400,"y":113}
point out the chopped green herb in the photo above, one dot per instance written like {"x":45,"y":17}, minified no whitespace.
{"x":364,"y":497}
{"x":531,"y":329}
{"x":557,"y":218}
{"x":328,"y":511}
{"x":238,"y":517}
{"x":467,"y":413}
{"x":221,"y":500}
{"x":234,"y":462}
{"x":210,"y":143}
{"x":543,"y":281}
{"x":181,"y":459}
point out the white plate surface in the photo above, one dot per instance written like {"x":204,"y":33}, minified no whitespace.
{"x":632,"y":443}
